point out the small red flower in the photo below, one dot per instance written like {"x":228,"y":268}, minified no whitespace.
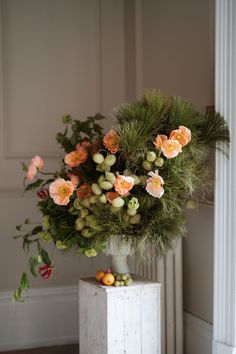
{"x":43,"y":193}
{"x":45,"y":271}
{"x":84,"y":191}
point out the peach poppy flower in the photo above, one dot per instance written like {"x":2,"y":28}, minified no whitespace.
{"x":74,"y":179}
{"x":123,"y":184}
{"x":35,"y":165}
{"x":86,"y":144}
{"x":159,"y":141}
{"x":154,"y":185}
{"x":183,"y":135}
{"x":111,"y":141}
{"x":111,"y":196}
{"x":84,"y":191}
{"x":76,"y":157}
{"x":60,"y":191}
{"x":171,"y":148}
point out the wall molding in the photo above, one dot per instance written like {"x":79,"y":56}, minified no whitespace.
{"x":49,"y":316}
{"x":197,"y":335}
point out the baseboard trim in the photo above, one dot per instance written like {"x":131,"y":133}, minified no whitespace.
{"x":49,"y":316}
{"x":197,"y":335}
{"x":221,"y":348}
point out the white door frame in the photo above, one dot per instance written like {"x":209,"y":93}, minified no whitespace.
{"x":224,"y":322}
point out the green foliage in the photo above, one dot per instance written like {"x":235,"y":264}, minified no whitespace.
{"x":24,"y":285}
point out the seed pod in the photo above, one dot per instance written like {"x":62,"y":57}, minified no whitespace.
{"x":96,"y":189}
{"x":87,"y":232}
{"x":110,"y":160}
{"x":118,"y":202}
{"x":151,"y":156}
{"x":147,"y":165}
{"x":106,"y":185}
{"x":102,"y":199}
{"x":79,"y":224}
{"x":110,"y":177}
{"x":98,"y":158}
{"x":131,"y":212}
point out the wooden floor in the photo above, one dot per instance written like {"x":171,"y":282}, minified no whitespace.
{"x":62,"y":349}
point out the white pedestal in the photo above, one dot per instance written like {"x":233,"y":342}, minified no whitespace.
{"x":117,"y":320}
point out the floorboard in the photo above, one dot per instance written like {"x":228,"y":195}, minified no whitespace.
{"x":62,"y":349}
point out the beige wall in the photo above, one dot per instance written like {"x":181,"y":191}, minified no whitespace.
{"x":74,"y":56}
{"x":178,"y":57}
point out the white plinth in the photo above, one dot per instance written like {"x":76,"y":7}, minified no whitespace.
{"x":117,"y":320}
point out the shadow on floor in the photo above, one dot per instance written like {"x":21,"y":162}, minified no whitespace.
{"x":62,"y":349}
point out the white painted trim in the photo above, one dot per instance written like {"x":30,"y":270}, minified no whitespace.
{"x":49,"y":316}
{"x":197,"y":335}
{"x":224,"y":318}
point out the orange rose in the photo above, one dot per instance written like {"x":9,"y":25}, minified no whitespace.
{"x":111,"y":196}
{"x":111,"y":141}
{"x":123,"y":184}
{"x":159,"y":141}
{"x":171,"y":148}
{"x":75,"y":158}
{"x":84,"y":191}
{"x":183,"y":135}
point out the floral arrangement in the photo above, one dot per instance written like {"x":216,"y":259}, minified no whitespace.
{"x":130,"y":183}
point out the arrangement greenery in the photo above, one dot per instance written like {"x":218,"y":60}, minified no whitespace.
{"x":131,"y":183}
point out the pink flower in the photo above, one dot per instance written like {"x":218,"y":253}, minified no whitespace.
{"x":159,"y":141}
{"x":171,"y":148}
{"x":123,"y":184}
{"x":183,"y":135}
{"x":35,"y":165}
{"x":154,"y":185}
{"x":74,"y":179}
{"x":76,"y":157}
{"x":60,"y":191}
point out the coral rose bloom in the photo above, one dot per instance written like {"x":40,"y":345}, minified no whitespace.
{"x":111,"y":141}
{"x":75,"y":158}
{"x":171,"y":148}
{"x":183,"y":135}
{"x":159,"y":141}
{"x":111,"y":196}
{"x":154,"y":185}
{"x":36,"y":164}
{"x":123,"y":184}
{"x":60,"y":191}
{"x":84,"y":191}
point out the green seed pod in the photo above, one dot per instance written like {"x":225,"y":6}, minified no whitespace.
{"x":91,"y":252}
{"x":136,"y":179}
{"x":151,"y":156}
{"x":87,"y":232}
{"x":131,"y":212}
{"x":84,"y":213}
{"x":77,"y":203}
{"x":96,"y":189}
{"x":159,"y":162}
{"x":98,"y":158}
{"x":110,"y":177}
{"x":135,"y":219}
{"x":106,"y":185}
{"x":79,"y":224}
{"x":118,"y":202}
{"x":93,"y":199}
{"x":133,"y":203}
{"x":85,"y":202}
{"x":101,"y":179}
{"x":117,"y":283}
{"x":147,"y":165}
{"x":124,"y":277}
{"x":105,"y":168}
{"x":60,"y":245}
{"x":128,"y":282}
{"x":46,"y":221}
{"x":110,"y":160}
{"x":122,"y":283}
{"x":102,"y":199}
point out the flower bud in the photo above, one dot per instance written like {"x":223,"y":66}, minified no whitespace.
{"x":79,"y":224}
{"x":135,"y":219}
{"x":151,"y":156}
{"x":77,"y":203}
{"x":96,"y":189}
{"x":102,"y":199}
{"x":118,"y":202}
{"x":93,"y":199}
{"x":147,"y":165}
{"x":60,"y":245}
{"x":110,"y":177}
{"x":46,"y":221}
{"x":105,"y":168}
{"x":159,"y":162}
{"x":98,"y":158}
{"x":133,"y":203}
{"x":45,"y":236}
{"x":101,"y":179}
{"x":106,"y":185}
{"x":131,"y":212}
{"x":87,"y":232}
{"x":91,"y":252}
{"x":85,"y":202}
{"x":110,"y":160}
